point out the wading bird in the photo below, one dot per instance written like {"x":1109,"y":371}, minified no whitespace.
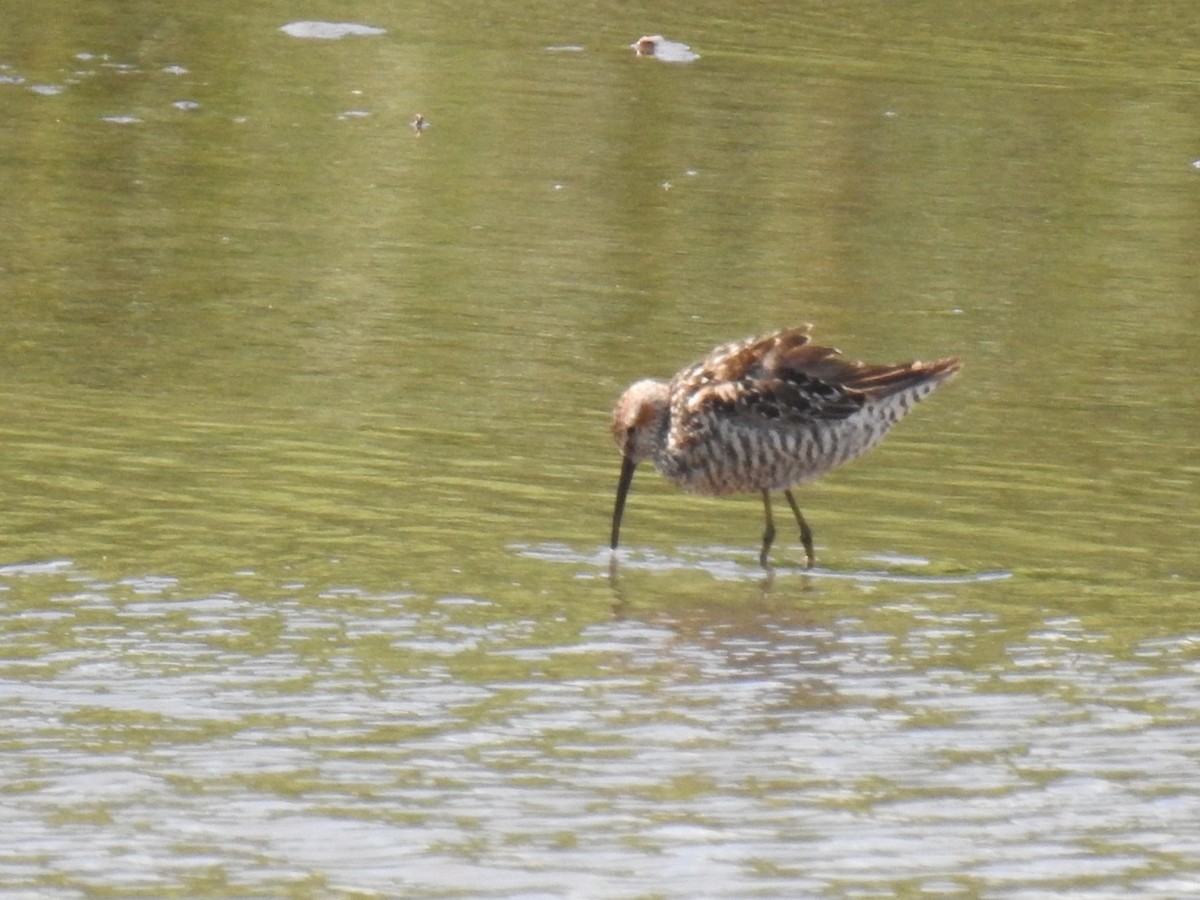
{"x":764,"y":414}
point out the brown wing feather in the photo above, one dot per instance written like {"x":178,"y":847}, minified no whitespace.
{"x":826,"y":365}
{"x":732,"y":362}
{"x":765,"y":378}
{"x":783,"y":377}
{"x":883,"y":381}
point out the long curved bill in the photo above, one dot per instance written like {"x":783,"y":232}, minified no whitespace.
{"x":627,"y":467}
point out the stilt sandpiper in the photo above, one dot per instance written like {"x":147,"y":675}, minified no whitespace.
{"x":764,"y":414}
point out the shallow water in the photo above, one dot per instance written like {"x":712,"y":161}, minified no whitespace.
{"x":304,"y":586}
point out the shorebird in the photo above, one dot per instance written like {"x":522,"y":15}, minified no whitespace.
{"x":764,"y":414}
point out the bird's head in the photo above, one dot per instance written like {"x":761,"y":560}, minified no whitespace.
{"x":638,"y":419}
{"x":638,"y":423}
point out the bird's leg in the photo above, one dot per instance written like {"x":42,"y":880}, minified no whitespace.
{"x":768,"y":530}
{"x":805,"y":532}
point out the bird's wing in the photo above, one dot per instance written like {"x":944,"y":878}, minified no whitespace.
{"x":784,"y":379}
{"x":772,"y":379}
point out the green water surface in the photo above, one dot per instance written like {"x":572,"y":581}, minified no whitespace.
{"x":306,"y":475}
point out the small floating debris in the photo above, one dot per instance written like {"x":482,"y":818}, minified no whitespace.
{"x":186,"y":105}
{"x":47,"y":90}
{"x":565,"y":48}
{"x":175,"y":70}
{"x":354,"y":114}
{"x":121,"y":120}
{"x":419,"y":124}
{"x":661,"y":48}
{"x":329,"y":31}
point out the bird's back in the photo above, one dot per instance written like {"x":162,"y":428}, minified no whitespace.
{"x":774,"y":411}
